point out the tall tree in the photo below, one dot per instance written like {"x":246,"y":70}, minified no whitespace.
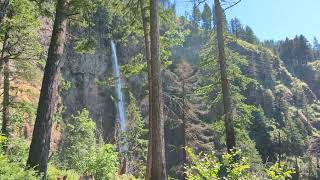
{"x":227,"y":101}
{"x":214,"y":19}
{"x":248,"y":35}
{"x":40,"y":143}
{"x":196,"y":16}
{"x":316,"y":48}
{"x":206,"y":17}
{"x":20,"y":46}
{"x":235,"y":27}
{"x":157,"y":160}
{"x":146,"y":34}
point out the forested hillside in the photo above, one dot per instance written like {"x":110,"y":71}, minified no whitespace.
{"x":129,"y":89}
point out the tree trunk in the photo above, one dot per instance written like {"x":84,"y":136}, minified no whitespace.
{"x":5,"y":102}
{"x":157,"y":161}
{"x":227,"y":102}
{"x":40,"y":144}
{"x":6,"y":98}
{"x":3,"y":9}
{"x":146,"y":32}
{"x":184,"y":144}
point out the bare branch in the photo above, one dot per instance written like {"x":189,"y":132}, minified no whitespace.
{"x":234,"y":4}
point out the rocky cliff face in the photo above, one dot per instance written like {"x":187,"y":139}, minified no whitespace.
{"x":85,"y":73}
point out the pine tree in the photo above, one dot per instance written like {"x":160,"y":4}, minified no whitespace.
{"x":20,"y":46}
{"x":196,"y":16}
{"x":157,"y":159}
{"x":235,"y":27}
{"x":316,"y":48}
{"x":214,"y":19}
{"x":248,"y":35}
{"x":206,"y":17}
{"x":41,"y":137}
{"x":225,"y":84}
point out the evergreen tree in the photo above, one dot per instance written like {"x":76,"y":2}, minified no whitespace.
{"x":41,"y":137}
{"x":235,"y":27}
{"x":18,"y":34}
{"x":248,"y":35}
{"x":196,"y":16}
{"x":316,"y":48}
{"x":156,"y":161}
{"x":225,"y":84}
{"x":214,"y":19}
{"x":206,"y":17}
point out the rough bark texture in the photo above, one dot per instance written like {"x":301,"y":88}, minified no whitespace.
{"x":146,"y":32}
{"x":184,"y":144}
{"x":6,"y":98}
{"x":40,"y":144}
{"x":5,"y":109}
{"x":157,"y":161}
{"x":227,"y":102}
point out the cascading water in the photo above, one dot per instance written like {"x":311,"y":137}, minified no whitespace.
{"x":120,"y":97}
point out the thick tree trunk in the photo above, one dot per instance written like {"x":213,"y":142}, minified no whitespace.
{"x":3,"y":9}
{"x":146,"y":31}
{"x":6,"y":98}
{"x":157,"y":161}
{"x":227,"y":101}
{"x":40,"y":144}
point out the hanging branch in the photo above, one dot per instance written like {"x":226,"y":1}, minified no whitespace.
{"x":234,"y":4}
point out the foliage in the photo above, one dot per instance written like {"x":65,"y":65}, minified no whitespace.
{"x":55,"y":173}
{"x":206,"y":166}
{"x":11,"y":168}
{"x":78,"y":142}
{"x":135,"y":139}
{"x":104,"y":163}
{"x":279,"y":171}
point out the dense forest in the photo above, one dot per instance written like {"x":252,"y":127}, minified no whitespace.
{"x":129,"y":89}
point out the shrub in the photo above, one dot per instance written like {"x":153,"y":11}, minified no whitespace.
{"x":206,"y":166}
{"x":104,"y":163}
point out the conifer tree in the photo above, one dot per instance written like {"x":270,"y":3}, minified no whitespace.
{"x":41,"y":137}
{"x":227,"y":101}
{"x":206,"y":17}
{"x":157,"y":158}
{"x":196,"y":16}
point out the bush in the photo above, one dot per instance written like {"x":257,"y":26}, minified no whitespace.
{"x":78,"y":143}
{"x":279,"y":171}
{"x":206,"y":166}
{"x":54,"y":173}
{"x":11,"y":170}
{"x":104,"y":164}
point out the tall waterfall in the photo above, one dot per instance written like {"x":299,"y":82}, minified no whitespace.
{"x":118,"y":88}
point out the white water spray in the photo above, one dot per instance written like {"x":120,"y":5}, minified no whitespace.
{"x":120,"y":97}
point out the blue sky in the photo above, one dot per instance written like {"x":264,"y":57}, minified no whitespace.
{"x":273,"y":19}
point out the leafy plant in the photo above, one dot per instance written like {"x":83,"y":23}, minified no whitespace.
{"x":207,"y":166}
{"x":104,"y":163}
{"x":279,"y":171}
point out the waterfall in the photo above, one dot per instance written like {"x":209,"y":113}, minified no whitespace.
{"x":120,"y":97}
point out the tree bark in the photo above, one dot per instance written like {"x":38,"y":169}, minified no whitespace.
{"x":157,"y":161}
{"x":6,"y":98}
{"x":40,"y":144}
{"x":5,"y":102}
{"x":3,"y":10}
{"x":227,"y":101}
{"x":184,"y":127}
{"x":146,"y":32}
